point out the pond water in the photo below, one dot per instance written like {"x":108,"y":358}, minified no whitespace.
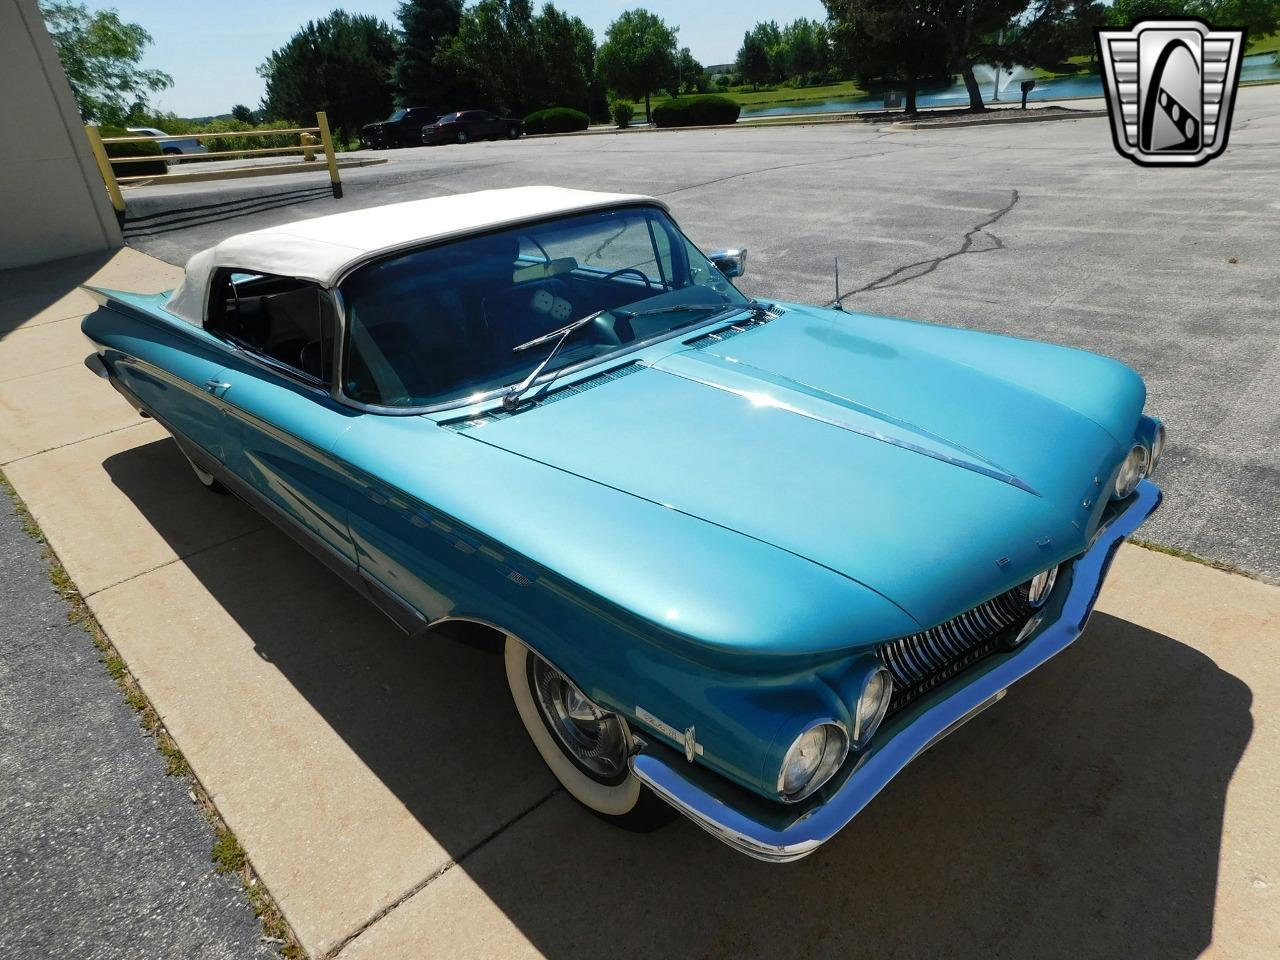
{"x":1260,"y":66}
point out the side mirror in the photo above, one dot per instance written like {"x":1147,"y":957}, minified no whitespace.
{"x":732,"y":262}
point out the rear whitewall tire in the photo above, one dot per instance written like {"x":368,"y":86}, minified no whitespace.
{"x":628,"y":804}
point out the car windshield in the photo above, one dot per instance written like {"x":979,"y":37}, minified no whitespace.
{"x":396,"y":115}
{"x":442,"y":324}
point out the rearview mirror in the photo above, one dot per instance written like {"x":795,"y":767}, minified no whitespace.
{"x":732,"y":262}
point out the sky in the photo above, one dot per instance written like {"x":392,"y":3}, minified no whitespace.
{"x":212,"y":48}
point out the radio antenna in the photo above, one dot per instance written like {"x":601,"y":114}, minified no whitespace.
{"x":836,"y":302}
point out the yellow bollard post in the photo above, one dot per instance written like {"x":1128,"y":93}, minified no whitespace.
{"x":104,"y":168}
{"x":326,"y":139}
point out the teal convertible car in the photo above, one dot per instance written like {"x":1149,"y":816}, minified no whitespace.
{"x":746,"y":559}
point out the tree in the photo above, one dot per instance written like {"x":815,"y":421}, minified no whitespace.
{"x":340,"y":64}
{"x":425,"y":26}
{"x":507,"y":57}
{"x":690,"y":75}
{"x":493,"y":57}
{"x":963,"y":25}
{"x":770,"y":53}
{"x":805,"y":48}
{"x":998,"y":31}
{"x":242,"y":113}
{"x":883,"y":39}
{"x":1260,"y":17}
{"x":1055,"y":36}
{"x":638,"y":55}
{"x":100,"y":55}
{"x":566,"y":49}
{"x":752,"y":61}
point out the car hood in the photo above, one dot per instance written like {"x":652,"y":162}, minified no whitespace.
{"x":918,"y":461}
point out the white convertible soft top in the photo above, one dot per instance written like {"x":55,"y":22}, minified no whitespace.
{"x":322,"y":249}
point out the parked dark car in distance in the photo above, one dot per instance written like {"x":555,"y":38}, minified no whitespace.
{"x":467,"y":125}
{"x":402,"y":129}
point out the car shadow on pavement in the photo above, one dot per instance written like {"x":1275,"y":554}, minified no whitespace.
{"x":1080,"y":817}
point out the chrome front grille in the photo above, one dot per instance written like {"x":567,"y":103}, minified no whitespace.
{"x":923,"y":661}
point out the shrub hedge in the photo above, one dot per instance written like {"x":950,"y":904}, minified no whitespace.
{"x":143,"y":148}
{"x":696,"y":111}
{"x":622,"y":112}
{"x":250,"y":143}
{"x":556,"y":120}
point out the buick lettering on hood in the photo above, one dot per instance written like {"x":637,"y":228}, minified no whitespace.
{"x":745,"y":559}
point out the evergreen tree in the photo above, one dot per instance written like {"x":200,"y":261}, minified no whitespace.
{"x":567,"y":58}
{"x":340,"y":64}
{"x":425,"y":26}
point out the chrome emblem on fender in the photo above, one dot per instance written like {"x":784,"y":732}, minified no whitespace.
{"x":1171,"y":86}
{"x":688,"y":739}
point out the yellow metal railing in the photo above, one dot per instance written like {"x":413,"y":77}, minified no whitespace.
{"x":307,"y":145}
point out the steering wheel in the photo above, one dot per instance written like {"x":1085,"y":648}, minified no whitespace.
{"x":638,"y":272}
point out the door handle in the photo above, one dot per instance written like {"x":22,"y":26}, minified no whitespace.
{"x":216,"y":386}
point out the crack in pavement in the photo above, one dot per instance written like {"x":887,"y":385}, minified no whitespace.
{"x":436,"y":875}
{"x":781,"y":166}
{"x":923,"y":268}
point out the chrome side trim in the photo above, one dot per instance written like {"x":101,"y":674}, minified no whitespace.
{"x":739,"y":822}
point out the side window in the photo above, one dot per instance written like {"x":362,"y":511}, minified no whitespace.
{"x":283,"y":320}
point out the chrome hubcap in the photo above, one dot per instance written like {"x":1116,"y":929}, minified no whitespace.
{"x":596,"y":741}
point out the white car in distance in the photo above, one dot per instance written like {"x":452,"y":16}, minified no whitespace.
{"x":171,"y":145}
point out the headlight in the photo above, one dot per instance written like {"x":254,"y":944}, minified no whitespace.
{"x":816,"y":754}
{"x":1157,"y":447}
{"x":1132,"y":471}
{"x":1041,"y":586}
{"x":871,"y":706}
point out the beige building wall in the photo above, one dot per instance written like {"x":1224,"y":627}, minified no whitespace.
{"x":52,"y":200}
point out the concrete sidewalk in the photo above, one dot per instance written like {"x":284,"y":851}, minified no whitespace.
{"x":1119,"y":802}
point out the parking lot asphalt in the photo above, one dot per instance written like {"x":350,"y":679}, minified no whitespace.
{"x":1033,"y":230}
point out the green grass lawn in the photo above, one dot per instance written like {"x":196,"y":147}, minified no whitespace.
{"x":1265,"y":45}
{"x":748,"y":97}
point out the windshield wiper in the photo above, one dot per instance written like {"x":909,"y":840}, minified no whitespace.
{"x":511,"y":399}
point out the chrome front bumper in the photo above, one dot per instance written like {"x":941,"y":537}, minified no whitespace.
{"x":770,"y":831}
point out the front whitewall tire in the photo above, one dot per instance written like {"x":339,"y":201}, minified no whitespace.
{"x":607,"y":800}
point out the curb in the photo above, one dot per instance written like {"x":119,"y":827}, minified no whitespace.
{"x":983,"y":121}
